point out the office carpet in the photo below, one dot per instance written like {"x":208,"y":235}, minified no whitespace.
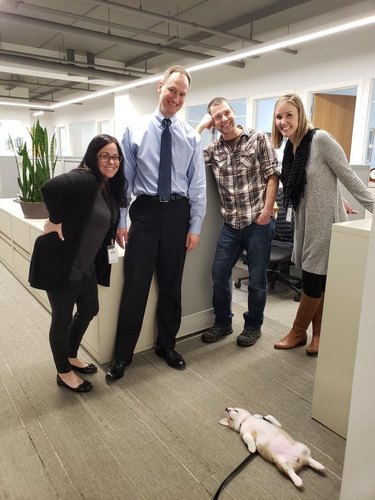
{"x":153,"y":434}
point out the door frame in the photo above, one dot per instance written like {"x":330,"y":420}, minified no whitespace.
{"x":360,"y":126}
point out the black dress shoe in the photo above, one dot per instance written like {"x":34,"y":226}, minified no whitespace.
{"x":173,"y":358}
{"x":90,"y":368}
{"x":116,"y":370}
{"x":84,"y":387}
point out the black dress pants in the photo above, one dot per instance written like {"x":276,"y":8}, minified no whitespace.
{"x":66,"y":330}
{"x":156,"y":242}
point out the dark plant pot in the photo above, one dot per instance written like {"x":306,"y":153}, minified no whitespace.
{"x":34,"y":210}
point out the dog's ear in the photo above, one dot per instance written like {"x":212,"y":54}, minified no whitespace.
{"x":224,"y":421}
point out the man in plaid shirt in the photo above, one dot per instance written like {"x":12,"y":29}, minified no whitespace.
{"x":246,"y":172}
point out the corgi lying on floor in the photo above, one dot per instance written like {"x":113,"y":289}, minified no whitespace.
{"x":264,"y":434}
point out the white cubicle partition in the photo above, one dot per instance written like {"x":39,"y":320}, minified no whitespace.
{"x":340,"y":324}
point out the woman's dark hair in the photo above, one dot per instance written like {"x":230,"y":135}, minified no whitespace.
{"x":118,"y":184}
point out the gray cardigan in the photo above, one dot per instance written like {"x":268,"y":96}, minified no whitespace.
{"x":322,"y":204}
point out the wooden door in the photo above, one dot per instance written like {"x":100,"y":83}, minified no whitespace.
{"x":335,"y":114}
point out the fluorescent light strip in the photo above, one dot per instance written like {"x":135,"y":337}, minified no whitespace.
{"x":216,"y":61}
{"x":137,"y":83}
{"x":283,"y":43}
{"x":23,"y":105}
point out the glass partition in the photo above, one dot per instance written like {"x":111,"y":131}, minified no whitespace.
{"x":194,"y":114}
{"x":80,"y":134}
{"x":263,"y":120}
{"x":16,"y":131}
{"x":264,"y":113}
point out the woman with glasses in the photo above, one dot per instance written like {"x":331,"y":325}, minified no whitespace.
{"x":74,"y":252}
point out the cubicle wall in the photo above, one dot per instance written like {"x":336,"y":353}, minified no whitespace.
{"x":197,"y":280}
{"x":8,"y":177}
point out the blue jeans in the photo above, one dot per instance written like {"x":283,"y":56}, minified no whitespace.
{"x":255,"y":240}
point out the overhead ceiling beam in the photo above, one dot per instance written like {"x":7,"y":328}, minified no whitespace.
{"x":28,"y":99}
{"x":68,"y":86}
{"x":168,"y":19}
{"x":222,"y":28}
{"x":276,"y":8}
{"x":10,"y":84}
{"x":106,"y":37}
{"x":111,"y":72}
{"x":64,"y":67}
{"x":249,"y":19}
{"x":121,"y":27}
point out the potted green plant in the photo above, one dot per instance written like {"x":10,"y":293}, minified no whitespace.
{"x":34,"y":168}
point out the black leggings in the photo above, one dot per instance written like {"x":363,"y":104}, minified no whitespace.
{"x":66,"y":330}
{"x":313,"y":285}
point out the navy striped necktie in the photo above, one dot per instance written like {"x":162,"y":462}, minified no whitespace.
{"x":165,"y":165}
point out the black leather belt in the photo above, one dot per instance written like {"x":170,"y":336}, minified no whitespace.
{"x":173,"y":197}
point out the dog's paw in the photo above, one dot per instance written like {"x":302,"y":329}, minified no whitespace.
{"x":251,"y":448}
{"x":299,"y":483}
{"x":295,"y":478}
{"x":316,"y":465}
{"x":272,"y":420}
{"x":249,"y":441}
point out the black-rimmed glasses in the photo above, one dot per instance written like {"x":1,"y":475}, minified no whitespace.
{"x":106,"y":157}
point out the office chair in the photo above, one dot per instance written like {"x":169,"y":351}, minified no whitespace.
{"x":281,"y":254}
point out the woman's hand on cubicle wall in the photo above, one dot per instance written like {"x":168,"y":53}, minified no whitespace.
{"x":348,"y":208}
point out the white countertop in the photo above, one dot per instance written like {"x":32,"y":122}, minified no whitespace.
{"x":361,"y":227}
{"x":12,"y":206}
